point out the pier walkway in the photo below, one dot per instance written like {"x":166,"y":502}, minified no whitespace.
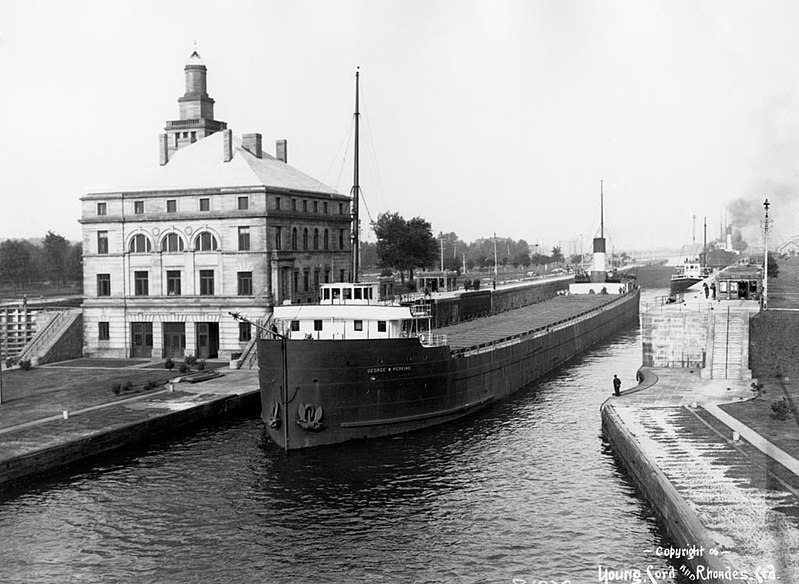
{"x":57,"y":414}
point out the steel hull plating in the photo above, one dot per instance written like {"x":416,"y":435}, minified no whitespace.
{"x":341,"y":390}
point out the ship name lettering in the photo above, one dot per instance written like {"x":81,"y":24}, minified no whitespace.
{"x":393,"y":369}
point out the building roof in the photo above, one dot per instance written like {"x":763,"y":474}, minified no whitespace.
{"x":201,"y":166}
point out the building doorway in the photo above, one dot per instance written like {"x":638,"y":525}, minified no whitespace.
{"x":207,"y":340}
{"x":174,"y":340}
{"x":141,"y":339}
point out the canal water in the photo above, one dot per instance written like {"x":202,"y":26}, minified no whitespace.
{"x":522,"y":492}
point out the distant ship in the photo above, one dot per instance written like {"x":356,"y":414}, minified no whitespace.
{"x":357,"y":366}
{"x":688,"y":274}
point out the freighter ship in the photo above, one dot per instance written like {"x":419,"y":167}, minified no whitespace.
{"x":357,"y":366}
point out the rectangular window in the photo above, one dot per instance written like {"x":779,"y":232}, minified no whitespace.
{"x":244,"y":203}
{"x":103,"y":331}
{"x":102,"y":208}
{"x":295,"y":325}
{"x":317,"y":325}
{"x":171,"y":205}
{"x":244,"y":239}
{"x":305,"y":206}
{"x":293,"y":204}
{"x":245,"y":332}
{"x":305,"y":281}
{"x":341,"y":239}
{"x":341,"y":276}
{"x":245,"y":283}
{"x":277,"y":203}
{"x":102,"y":242}
{"x":104,"y":284}
{"x":278,"y":237}
{"x":341,"y":208}
{"x":381,"y":326}
{"x":138,"y":207}
{"x":173,"y":283}
{"x":205,"y":204}
{"x":206,"y":282}
{"x":316,"y":206}
{"x":324,"y":207}
{"x":141,"y":283}
{"x":358,"y":325}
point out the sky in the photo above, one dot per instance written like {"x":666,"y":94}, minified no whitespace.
{"x":482,"y":117}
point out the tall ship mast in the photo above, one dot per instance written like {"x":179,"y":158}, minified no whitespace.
{"x":356,"y":190}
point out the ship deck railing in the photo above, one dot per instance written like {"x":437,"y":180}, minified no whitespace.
{"x":420,"y":311}
{"x":430,"y":340}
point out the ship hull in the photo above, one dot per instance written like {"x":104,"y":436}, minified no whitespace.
{"x":681,"y":284}
{"x":321,"y":392}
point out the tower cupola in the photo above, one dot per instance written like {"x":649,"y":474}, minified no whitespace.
{"x":196,"y":111}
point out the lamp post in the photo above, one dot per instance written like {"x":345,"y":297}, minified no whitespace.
{"x":766,"y":205}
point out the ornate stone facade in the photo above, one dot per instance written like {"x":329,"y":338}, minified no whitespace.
{"x":218,"y":226}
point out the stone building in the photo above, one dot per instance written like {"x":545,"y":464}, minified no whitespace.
{"x":218,"y":226}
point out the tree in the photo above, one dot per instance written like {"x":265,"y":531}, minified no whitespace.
{"x":404,"y":245}
{"x":16,"y":262}
{"x":56,"y":253}
{"x":557,"y":255}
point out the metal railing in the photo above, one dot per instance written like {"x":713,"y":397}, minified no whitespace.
{"x":431,"y":340}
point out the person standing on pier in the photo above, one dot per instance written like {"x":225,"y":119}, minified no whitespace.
{"x":707,"y":291}
{"x":616,"y":385}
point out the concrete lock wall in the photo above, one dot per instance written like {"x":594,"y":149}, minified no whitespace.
{"x":681,"y":524}
{"x":673,"y":339}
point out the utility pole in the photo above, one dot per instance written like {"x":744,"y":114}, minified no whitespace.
{"x":495,"y":254}
{"x":765,"y":256}
{"x":441,"y":239}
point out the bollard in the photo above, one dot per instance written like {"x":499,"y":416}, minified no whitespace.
{"x":66,"y":414}
{"x":170,"y":386}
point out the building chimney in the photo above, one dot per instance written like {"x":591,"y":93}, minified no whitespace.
{"x":282,"y":148}
{"x":252,"y":144}
{"x":163,"y":149}
{"x":227,"y":145}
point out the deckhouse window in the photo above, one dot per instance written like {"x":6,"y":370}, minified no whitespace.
{"x":205,"y":241}
{"x":347,"y":293}
{"x":295,"y":325}
{"x":381,"y":326}
{"x":358,"y":324}
{"x":358,"y":294}
{"x":139,"y":244}
{"x":172,"y":243}
{"x":317,"y":325}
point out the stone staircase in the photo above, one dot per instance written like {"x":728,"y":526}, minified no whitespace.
{"x":728,"y":346}
{"x":59,"y":337}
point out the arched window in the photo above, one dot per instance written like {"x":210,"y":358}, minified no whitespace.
{"x":205,"y":241}
{"x":172,"y":242}
{"x":139,"y":244}
{"x":294,"y":238}
{"x":327,"y":240}
{"x":316,"y":239}
{"x":305,"y":239}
